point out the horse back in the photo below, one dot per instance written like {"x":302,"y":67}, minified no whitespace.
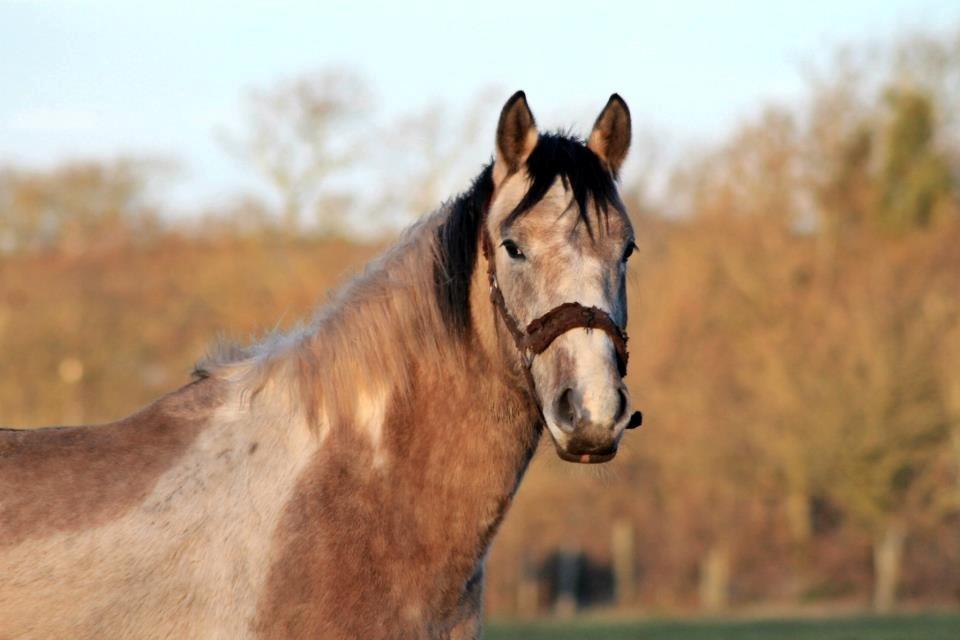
{"x":69,"y":478}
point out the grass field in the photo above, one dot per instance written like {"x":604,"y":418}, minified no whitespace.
{"x":907,"y":627}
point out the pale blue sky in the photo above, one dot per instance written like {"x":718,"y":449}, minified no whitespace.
{"x":103,"y":77}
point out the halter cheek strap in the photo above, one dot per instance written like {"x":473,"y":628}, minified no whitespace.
{"x":541,"y":332}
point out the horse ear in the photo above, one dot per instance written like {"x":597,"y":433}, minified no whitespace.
{"x":610,"y":138}
{"x":516,"y":136}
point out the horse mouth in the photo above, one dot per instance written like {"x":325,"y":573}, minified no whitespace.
{"x":595,"y":457}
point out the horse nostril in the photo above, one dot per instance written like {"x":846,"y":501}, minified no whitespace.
{"x":566,"y":412}
{"x":621,"y":408}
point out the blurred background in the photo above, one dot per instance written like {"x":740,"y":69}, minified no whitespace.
{"x":173,"y":171}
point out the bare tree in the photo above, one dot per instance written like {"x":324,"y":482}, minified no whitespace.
{"x":429,"y":155}
{"x":80,"y":205}
{"x":300,"y":137}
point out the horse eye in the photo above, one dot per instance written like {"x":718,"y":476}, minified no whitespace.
{"x":513,"y":250}
{"x":628,"y":251}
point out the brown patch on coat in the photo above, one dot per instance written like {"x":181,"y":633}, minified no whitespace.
{"x":364,"y":553}
{"x":72,"y":478}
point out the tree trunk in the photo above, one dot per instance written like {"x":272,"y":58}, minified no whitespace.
{"x":956,"y":443}
{"x":291,"y":214}
{"x":887,"y":557}
{"x":568,"y":578}
{"x":798,"y":517}
{"x":715,"y":578}
{"x":623,"y":563}
{"x":528,"y":588}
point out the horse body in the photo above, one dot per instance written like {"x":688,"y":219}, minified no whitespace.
{"x":340,"y":481}
{"x":156,"y":526}
{"x":212,"y":515}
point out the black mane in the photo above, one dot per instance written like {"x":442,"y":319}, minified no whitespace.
{"x":458,"y":238}
{"x":457,"y":243}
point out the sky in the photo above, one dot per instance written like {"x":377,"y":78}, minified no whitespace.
{"x":101,"y":78}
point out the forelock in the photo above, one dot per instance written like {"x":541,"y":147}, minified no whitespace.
{"x":563,"y":156}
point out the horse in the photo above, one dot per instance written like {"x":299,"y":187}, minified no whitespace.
{"x":344,"y":479}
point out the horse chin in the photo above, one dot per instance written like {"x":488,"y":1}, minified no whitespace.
{"x":585,"y":458}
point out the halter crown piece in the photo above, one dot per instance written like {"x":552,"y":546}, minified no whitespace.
{"x":541,"y":332}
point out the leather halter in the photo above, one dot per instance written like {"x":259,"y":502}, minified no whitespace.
{"x":541,"y":332}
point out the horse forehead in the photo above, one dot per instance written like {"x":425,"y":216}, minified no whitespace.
{"x":506,"y":199}
{"x":556,"y":221}
{"x":512,"y":192}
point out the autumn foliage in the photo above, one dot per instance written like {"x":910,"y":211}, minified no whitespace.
{"x":795,"y":340}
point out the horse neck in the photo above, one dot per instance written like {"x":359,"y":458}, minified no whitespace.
{"x":438,"y":421}
{"x":413,"y":474}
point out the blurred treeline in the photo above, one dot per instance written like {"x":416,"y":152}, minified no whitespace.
{"x":795,"y":330}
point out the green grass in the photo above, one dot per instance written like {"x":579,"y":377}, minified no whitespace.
{"x":906,"y":627}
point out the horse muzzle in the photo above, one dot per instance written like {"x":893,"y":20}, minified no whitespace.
{"x":578,"y":438}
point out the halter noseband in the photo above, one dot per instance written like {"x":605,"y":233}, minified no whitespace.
{"x":541,"y":332}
